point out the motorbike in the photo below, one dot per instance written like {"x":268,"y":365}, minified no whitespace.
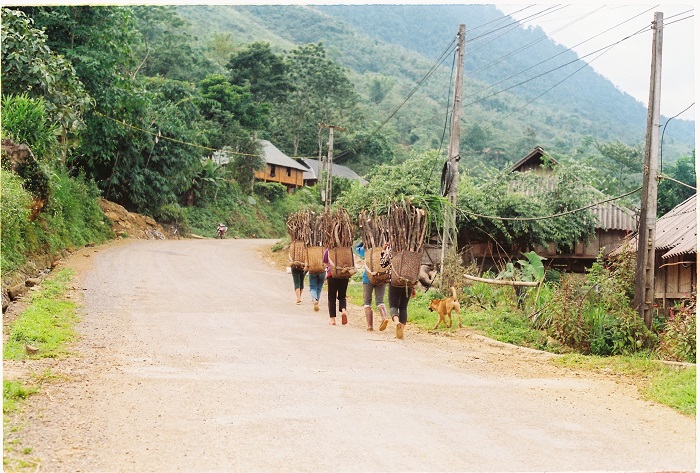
{"x":221,"y":230}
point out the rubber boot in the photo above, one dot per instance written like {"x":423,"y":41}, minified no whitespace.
{"x":369,"y":315}
{"x":385,"y":317}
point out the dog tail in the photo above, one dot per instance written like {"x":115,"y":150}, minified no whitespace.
{"x":454,"y":292}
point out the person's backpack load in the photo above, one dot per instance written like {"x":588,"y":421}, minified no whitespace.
{"x":375,"y":272}
{"x":297,"y":254}
{"x":405,"y":268}
{"x":342,"y":262}
{"x":314,"y":259}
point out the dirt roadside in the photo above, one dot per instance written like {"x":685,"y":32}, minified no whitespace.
{"x":98,"y":410}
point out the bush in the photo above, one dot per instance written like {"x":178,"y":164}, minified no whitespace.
{"x":26,"y":122}
{"x":679,"y":337}
{"x":71,"y":218}
{"x":175,"y":215}
{"x":14,"y":222}
{"x":272,"y":191}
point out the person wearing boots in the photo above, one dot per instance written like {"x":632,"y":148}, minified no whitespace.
{"x":398,"y":296}
{"x":367,"y":288}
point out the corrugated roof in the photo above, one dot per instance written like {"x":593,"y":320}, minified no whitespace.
{"x":614,"y":217}
{"x":338,"y":170}
{"x":677,"y":231}
{"x":610,"y":215}
{"x":274,"y":156}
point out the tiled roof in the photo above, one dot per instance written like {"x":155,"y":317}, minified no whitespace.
{"x":278,"y":158}
{"x":339,"y":170}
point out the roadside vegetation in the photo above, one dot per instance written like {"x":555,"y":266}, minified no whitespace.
{"x":43,"y":329}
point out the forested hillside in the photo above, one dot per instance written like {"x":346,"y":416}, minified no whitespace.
{"x":389,"y":48}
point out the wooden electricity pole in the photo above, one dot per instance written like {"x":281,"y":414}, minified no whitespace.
{"x":646,"y":239}
{"x":329,"y":163}
{"x":449,"y":235}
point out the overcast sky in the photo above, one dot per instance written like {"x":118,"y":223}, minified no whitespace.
{"x":627,"y":64}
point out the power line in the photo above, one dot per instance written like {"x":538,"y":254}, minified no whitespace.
{"x":661,"y":152}
{"x":434,"y":67}
{"x":564,"y":51}
{"x":161,"y":137}
{"x":532,"y":43}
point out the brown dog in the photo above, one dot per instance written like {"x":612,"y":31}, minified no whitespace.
{"x":444,"y":308}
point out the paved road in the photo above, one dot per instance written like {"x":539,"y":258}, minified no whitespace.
{"x":197,"y":359}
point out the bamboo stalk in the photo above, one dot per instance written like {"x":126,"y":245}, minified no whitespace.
{"x":502,"y":282}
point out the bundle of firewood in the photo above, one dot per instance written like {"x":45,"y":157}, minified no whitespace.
{"x":298,"y":226}
{"x":407,"y":227}
{"x":374,"y":229}
{"x":317,"y":227}
{"x":338,"y":229}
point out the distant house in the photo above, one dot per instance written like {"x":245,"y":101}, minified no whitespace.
{"x":676,"y":255}
{"x":615,"y":223}
{"x":280,"y":168}
{"x":313,"y":172}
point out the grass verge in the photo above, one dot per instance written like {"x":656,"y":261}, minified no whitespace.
{"x":671,"y":385}
{"x":48,"y":323}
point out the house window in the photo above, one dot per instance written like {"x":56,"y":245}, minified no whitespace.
{"x":272,"y":170}
{"x":289,"y":172}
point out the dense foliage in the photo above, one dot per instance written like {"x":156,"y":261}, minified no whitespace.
{"x":128,"y":103}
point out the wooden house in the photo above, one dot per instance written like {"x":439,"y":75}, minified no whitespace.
{"x":280,"y":168}
{"x":615,"y":223}
{"x":676,"y":254}
{"x":675,"y":276}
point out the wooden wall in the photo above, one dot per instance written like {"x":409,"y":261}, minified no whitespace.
{"x":290,"y":177}
{"x":675,"y":278}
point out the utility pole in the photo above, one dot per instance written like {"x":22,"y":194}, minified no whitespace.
{"x":646,"y":239}
{"x":449,"y":235}
{"x":329,"y":163}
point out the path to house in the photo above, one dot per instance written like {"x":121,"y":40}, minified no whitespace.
{"x":193,"y":357}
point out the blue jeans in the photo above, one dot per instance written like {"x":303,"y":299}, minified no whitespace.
{"x":316,"y":284}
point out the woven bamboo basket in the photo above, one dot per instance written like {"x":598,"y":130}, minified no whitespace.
{"x":342,"y":262}
{"x":405,"y":268}
{"x":314,"y":259}
{"x":297,"y":254}
{"x":375,"y":272}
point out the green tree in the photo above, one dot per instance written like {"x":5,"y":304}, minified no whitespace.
{"x":619,"y":167}
{"x":261,"y":70}
{"x":231,"y":107}
{"x":30,"y":66}
{"x":245,"y":162}
{"x":419,"y":176}
{"x":166,"y":48}
{"x":321,"y":93}
{"x":671,"y":193}
{"x":521,"y":196}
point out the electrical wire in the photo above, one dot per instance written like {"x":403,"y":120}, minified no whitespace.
{"x":444,"y":129}
{"x":434,"y":67}
{"x":661,"y":153}
{"x":564,"y":51}
{"x":562,"y":214}
{"x":161,"y":137}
